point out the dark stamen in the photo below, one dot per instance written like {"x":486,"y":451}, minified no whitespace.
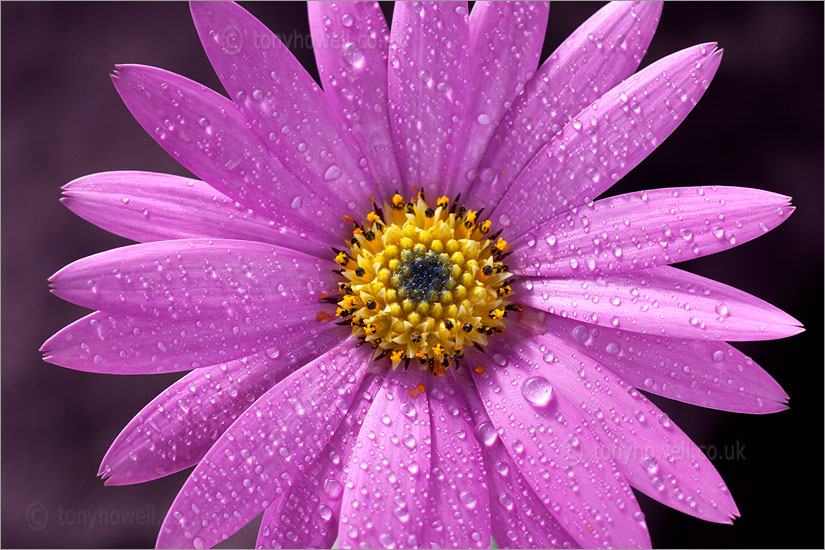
{"x":423,"y":277}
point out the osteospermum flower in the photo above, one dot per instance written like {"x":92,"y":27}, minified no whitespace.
{"x":407,"y":320}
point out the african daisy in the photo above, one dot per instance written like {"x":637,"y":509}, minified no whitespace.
{"x":408,"y":320}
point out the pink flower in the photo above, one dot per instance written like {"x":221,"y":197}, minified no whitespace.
{"x":495,"y":318}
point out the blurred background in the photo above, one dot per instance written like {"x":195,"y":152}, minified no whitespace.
{"x":759,"y":125}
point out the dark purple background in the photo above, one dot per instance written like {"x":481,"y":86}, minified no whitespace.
{"x":759,"y":125}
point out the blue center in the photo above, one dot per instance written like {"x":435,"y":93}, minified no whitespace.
{"x":423,"y":277}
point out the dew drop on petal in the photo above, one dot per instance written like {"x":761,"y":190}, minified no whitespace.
{"x":537,"y":391}
{"x":486,"y":433}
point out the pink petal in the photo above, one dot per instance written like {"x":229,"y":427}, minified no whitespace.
{"x":209,"y":136}
{"x":458,"y":510}
{"x":708,"y":374}
{"x":654,"y":455}
{"x":547,"y":437}
{"x":647,"y":229}
{"x":223,"y":280}
{"x":661,"y":301}
{"x":519,"y":518}
{"x":427,"y":85}
{"x":505,"y":45}
{"x":608,"y":139}
{"x":144,"y":206}
{"x":350,"y":41}
{"x":178,"y":427}
{"x":115,"y":343}
{"x":603,"y":51}
{"x":264,"y":452}
{"x":286,"y":108}
{"x":385,"y":496}
{"x":306,"y":516}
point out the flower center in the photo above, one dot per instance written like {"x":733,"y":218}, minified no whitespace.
{"x":422,"y":283}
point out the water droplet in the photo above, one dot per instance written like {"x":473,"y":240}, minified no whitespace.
{"x":332,"y":173}
{"x":353,"y":55}
{"x":580,"y":333}
{"x":333,"y":488}
{"x":650,"y":465}
{"x":537,"y":391}
{"x":468,"y":499}
{"x":408,"y":410}
{"x":402,"y":514}
{"x":296,"y":202}
{"x":486,"y":433}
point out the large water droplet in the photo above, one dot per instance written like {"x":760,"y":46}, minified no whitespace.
{"x":332,"y":173}
{"x":537,"y":391}
{"x":353,"y":55}
{"x":486,"y":433}
{"x":468,"y":499}
{"x":333,"y":488}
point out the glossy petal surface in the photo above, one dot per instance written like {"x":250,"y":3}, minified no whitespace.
{"x":505,"y":44}
{"x":178,"y":427}
{"x":662,"y":301}
{"x":647,"y":229}
{"x":608,"y":139}
{"x":145,"y":206}
{"x":458,"y":512}
{"x":350,"y":42}
{"x":265,"y":451}
{"x":427,"y":85}
{"x":116,"y":343}
{"x":705,"y":373}
{"x":602,"y":52}
{"x":306,"y":516}
{"x":385,"y":496}
{"x":545,"y":434}
{"x":225,"y":281}
{"x":654,"y":455}
{"x":519,"y":518}
{"x":285,"y":107}
{"x":209,"y":136}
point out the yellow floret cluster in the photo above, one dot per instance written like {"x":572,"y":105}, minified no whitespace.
{"x":422,"y":283}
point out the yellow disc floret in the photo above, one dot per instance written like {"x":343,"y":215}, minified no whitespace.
{"x":422,"y":283}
